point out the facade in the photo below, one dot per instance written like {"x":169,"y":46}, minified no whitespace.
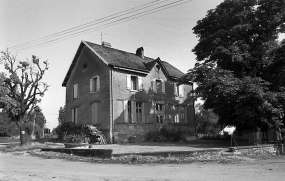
{"x":126,"y":95}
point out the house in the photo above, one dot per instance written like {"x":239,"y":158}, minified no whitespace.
{"x":126,"y":95}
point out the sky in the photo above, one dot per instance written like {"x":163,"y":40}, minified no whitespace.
{"x":166,"y":34}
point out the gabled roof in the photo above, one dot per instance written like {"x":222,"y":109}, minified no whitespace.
{"x":125,"y":60}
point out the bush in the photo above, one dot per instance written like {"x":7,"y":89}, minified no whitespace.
{"x":165,"y":135}
{"x":75,"y":138}
{"x":64,"y":129}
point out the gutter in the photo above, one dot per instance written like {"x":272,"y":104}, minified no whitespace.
{"x":112,"y":107}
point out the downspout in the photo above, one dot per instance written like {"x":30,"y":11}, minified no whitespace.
{"x":112,"y":107}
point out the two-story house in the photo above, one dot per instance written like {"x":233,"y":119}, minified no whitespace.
{"x":126,"y":95}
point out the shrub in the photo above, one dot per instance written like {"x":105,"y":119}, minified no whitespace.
{"x":165,"y":135}
{"x":64,"y":129}
{"x":76,"y":138}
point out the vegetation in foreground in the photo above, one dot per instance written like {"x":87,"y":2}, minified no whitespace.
{"x":34,"y":149}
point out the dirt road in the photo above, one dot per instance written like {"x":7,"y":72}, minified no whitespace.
{"x":25,"y":167}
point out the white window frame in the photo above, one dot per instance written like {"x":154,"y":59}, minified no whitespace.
{"x":95,"y":84}
{"x":155,"y":88}
{"x":138,"y":84}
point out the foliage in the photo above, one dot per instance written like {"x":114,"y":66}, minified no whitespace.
{"x":20,"y":91}
{"x":61,"y":115}
{"x":76,"y":138}
{"x":206,"y":120}
{"x":63,"y":129}
{"x":241,"y":69}
{"x":165,"y":135}
{"x":4,"y":124}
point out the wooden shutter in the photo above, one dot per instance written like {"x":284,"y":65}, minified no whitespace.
{"x":98,"y":84}
{"x":143,"y":112}
{"x":129,"y":82}
{"x":140,"y":83}
{"x":75,"y":91}
{"x":91,"y":85}
{"x":94,"y":113}
{"x":72,"y":115}
{"x":175,"y":89}
{"x":181,"y":93}
{"x":134,"y":112}
{"x":154,"y":86}
{"x":185,"y":114}
{"x":163,"y":87}
{"x":126,"y":113}
{"x":75,"y":115}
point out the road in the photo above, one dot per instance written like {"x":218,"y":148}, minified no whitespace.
{"x":26,"y":167}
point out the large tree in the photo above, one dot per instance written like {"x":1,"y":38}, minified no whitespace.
{"x":240,"y":69}
{"x":22,"y":88}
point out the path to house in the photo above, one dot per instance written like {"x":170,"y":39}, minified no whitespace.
{"x":26,"y":167}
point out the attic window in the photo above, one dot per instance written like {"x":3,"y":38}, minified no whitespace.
{"x":157,"y":67}
{"x":84,"y":67}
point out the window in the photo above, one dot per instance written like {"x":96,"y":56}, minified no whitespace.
{"x":159,"y":107}
{"x":180,"y":114}
{"x":176,"y":114}
{"x":178,"y":90}
{"x":74,"y":113}
{"x":139,"y":112}
{"x":94,"y":107}
{"x":129,"y":112}
{"x":75,"y":91}
{"x":134,"y":82}
{"x":159,"y":119}
{"x":94,"y":84}
{"x":133,"y":112}
{"x":158,"y":86}
{"x":84,"y":67}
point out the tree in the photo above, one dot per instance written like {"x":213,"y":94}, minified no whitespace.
{"x":61,"y":115}
{"x":22,"y":89}
{"x":205,"y":118}
{"x":240,"y":62}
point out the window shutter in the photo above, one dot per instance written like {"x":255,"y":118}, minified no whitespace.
{"x":185,"y":114}
{"x":140,"y":83}
{"x":143,"y":112}
{"x":75,"y":115}
{"x":75,"y":91}
{"x":91,"y":86}
{"x":175,"y":89}
{"x":154,"y":85}
{"x":129,"y":82}
{"x":98,"y":84}
{"x":179,"y":114}
{"x":126,"y":114}
{"x":94,"y":113}
{"x":181,"y":91}
{"x":134,"y":111}
{"x":163,"y":87}
{"x":72,"y":115}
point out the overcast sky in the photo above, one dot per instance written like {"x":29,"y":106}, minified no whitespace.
{"x":166,"y":34}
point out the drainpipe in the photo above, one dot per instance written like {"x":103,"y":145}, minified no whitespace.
{"x":112,"y":107}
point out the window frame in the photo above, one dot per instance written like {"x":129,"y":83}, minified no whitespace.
{"x":95,"y":84}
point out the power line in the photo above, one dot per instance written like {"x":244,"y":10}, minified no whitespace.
{"x":86,"y":24}
{"x":83,"y":30}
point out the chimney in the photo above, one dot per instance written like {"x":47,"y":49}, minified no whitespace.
{"x":106,"y":44}
{"x":140,"y":52}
